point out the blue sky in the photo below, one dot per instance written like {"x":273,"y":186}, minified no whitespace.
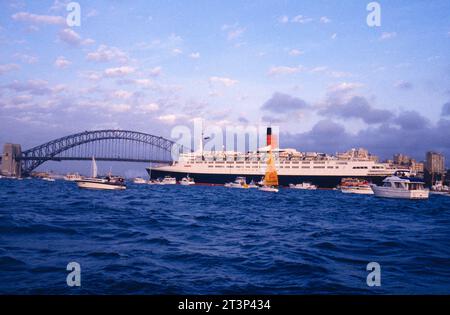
{"x":315,"y":68}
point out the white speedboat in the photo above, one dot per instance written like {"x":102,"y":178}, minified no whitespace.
{"x":109,"y":182}
{"x":239,"y":182}
{"x":48,"y":179}
{"x":139,"y":180}
{"x":168,"y":181}
{"x":303,"y":186}
{"x":401,"y":187}
{"x":440,"y":189}
{"x":187,"y":181}
{"x":71,"y":177}
{"x":268,"y":189}
{"x":355,"y":186}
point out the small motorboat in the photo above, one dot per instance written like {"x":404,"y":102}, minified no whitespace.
{"x":187,"y":181}
{"x":239,"y":182}
{"x":303,"y":186}
{"x":139,"y":180}
{"x":48,"y":179}
{"x":252,"y":184}
{"x":167,"y":180}
{"x":355,"y":186}
{"x":401,"y":187}
{"x":440,"y":189}
{"x":268,"y":188}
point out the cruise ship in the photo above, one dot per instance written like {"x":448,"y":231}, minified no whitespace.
{"x":293,"y":167}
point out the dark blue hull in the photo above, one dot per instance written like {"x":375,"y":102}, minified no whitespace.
{"x":284,"y":180}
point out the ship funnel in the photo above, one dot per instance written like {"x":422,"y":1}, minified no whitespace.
{"x":269,"y":136}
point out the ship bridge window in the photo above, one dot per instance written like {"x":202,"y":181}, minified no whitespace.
{"x":319,"y":166}
{"x":359,"y":167}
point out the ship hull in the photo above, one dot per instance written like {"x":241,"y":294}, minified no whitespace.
{"x":322,"y":181}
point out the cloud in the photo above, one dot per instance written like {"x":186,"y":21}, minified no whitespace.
{"x":403,"y":85}
{"x":106,"y":54}
{"x":446,"y":109}
{"x":119,"y":71}
{"x":357,"y":107}
{"x":301,"y":19}
{"x":222,"y":80}
{"x":5,"y":68}
{"x":38,"y":19}
{"x":72,"y":38}
{"x":408,"y":120}
{"x":283,"y":19}
{"x":279,"y":70}
{"x":122,"y":94}
{"x":281,"y":103}
{"x":170,"y":119}
{"x":387,"y":35}
{"x":334,"y":36}
{"x":344,"y":87}
{"x":383,"y":140}
{"x":177,"y":51}
{"x":26,"y":58}
{"x":35,"y":87}
{"x":148,"y":108}
{"x":61,"y":62}
{"x":195,"y":55}
{"x":155,"y":72}
{"x":324,"y":20}
{"x":233,"y":31}
{"x":295,"y":52}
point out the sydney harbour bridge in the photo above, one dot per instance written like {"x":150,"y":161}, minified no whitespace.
{"x":104,"y":145}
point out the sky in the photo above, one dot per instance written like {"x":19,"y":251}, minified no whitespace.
{"x":316,"y":69}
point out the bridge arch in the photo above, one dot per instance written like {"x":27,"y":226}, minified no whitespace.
{"x":34,"y":157}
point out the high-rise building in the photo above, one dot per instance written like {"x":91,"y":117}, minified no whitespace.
{"x":435,"y":163}
{"x":401,"y":159}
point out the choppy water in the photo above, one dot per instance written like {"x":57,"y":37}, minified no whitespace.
{"x":198,"y":240}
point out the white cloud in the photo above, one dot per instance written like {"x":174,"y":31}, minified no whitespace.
{"x":61,"y":62}
{"x":168,"y":118}
{"x":319,"y":69}
{"x":119,"y":71}
{"x":301,"y":19}
{"x":344,"y":87}
{"x":325,"y":20}
{"x":122,"y":94}
{"x":120,"y":108}
{"x":295,"y":52}
{"x":177,"y":51}
{"x":387,"y":35}
{"x":72,"y":38}
{"x":26,"y":58}
{"x":155,"y":72}
{"x":105,"y":53}
{"x":234,"y":31}
{"x":195,"y":55}
{"x":38,"y":19}
{"x":148,"y":108}
{"x":283,"y":19}
{"x":8,"y":67}
{"x":223,"y":80}
{"x":334,"y":36}
{"x":284,"y":70}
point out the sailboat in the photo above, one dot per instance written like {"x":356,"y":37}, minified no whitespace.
{"x":109,"y":182}
{"x":270,"y":181}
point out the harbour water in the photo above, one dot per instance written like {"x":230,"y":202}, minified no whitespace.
{"x":214,"y":240}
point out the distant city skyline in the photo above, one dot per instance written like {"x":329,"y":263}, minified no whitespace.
{"x":314,"y":68}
